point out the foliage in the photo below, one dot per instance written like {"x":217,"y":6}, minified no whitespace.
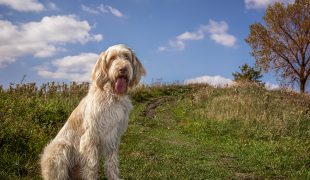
{"x":248,"y":74}
{"x":283,"y":44}
{"x":30,"y":117}
{"x":196,"y":131}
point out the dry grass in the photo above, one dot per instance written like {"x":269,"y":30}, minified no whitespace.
{"x":280,"y":112}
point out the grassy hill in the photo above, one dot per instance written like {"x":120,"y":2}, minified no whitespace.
{"x":175,"y":132}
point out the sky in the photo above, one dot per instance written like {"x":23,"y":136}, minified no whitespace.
{"x":176,"y":40}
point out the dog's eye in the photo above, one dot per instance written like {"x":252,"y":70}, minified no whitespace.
{"x":112,"y":58}
{"x":126,"y":56}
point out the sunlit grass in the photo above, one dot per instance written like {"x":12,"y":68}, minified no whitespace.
{"x":193,"y":132}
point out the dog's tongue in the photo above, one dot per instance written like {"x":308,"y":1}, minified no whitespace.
{"x":121,"y":85}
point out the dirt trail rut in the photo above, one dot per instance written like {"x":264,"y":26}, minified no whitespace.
{"x":149,"y":111}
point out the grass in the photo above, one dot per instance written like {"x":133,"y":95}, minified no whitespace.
{"x":175,"y":132}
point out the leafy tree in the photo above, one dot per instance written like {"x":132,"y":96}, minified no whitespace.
{"x":248,"y":74}
{"x":282,"y":44}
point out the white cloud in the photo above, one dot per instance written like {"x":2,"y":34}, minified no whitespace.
{"x":52,"y":6}
{"x":261,"y":4}
{"x":114,"y":11}
{"x":217,"y":32}
{"x":89,"y":10}
{"x":74,"y":68}
{"x":179,"y":42}
{"x":257,"y":4}
{"x":104,"y":9}
{"x":198,"y":35}
{"x":219,"y":81}
{"x":215,"y":81}
{"x":43,"y":38}
{"x":23,"y":5}
{"x":177,"y":45}
{"x":162,"y":48}
{"x":271,"y":86}
{"x":224,"y":39}
{"x":6,"y":60}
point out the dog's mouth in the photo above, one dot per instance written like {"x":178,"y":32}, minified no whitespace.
{"x":121,"y":85}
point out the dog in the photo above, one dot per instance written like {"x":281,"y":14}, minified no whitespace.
{"x":95,"y":126}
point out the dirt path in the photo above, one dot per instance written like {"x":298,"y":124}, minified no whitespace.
{"x":149,"y":111}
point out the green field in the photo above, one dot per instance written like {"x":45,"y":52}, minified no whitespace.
{"x":175,"y":132}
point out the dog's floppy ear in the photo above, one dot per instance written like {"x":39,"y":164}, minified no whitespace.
{"x":138,"y":71}
{"x":99,"y":73}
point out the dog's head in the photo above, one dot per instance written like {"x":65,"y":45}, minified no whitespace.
{"x":120,"y":67}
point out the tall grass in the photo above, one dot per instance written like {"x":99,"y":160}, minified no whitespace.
{"x":247,"y":121}
{"x":279,"y":112}
{"x":30,"y":117}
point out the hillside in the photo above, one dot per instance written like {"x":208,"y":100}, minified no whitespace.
{"x":175,"y":132}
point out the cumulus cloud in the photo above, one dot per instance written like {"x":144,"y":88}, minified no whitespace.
{"x":162,"y":48}
{"x":215,"y":81}
{"x":23,"y":5}
{"x":261,"y":4}
{"x":89,"y":9}
{"x":271,"y":86}
{"x":219,"y":81}
{"x":179,"y":42}
{"x":104,"y":9}
{"x":114,"y":11}
{"x":74,"y":68}
{"x":198,"y":35}
{"x":217,"y":32}
{"x":43,"y":38}
{"x":177,"y":45}
{"x":52,"y":6}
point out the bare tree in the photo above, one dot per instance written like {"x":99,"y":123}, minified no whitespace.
{"x":282,"y":44}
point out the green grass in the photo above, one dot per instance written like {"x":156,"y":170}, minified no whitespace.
{"x":175,"y":132}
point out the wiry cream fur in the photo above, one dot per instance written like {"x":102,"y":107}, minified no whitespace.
{"x":97,"y":123}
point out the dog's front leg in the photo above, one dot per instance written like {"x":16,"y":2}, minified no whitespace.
{"x":111,"y":166}
{"x":111,"y":152}
{"x":89,"y":155}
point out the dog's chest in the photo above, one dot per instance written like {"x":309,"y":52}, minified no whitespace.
{"x":113,"y":114}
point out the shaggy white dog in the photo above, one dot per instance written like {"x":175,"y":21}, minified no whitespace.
{"x":97,"y":123}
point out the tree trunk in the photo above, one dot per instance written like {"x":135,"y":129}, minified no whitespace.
{"x":302,"y":85}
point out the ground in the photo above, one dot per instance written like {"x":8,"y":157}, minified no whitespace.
{"x":175,"y":132}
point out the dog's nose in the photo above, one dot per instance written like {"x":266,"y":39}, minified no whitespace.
{"x":123,"y":70}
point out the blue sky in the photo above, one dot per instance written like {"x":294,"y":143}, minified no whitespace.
{"x":176,"y":40}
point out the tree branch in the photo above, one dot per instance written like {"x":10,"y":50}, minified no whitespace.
{"x":286,"y":60}
{"x":288,"y":47}
{"x":288,"y":35}
{"x":305,"y":50}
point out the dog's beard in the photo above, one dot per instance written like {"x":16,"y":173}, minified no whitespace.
{"x":121,"y":85}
